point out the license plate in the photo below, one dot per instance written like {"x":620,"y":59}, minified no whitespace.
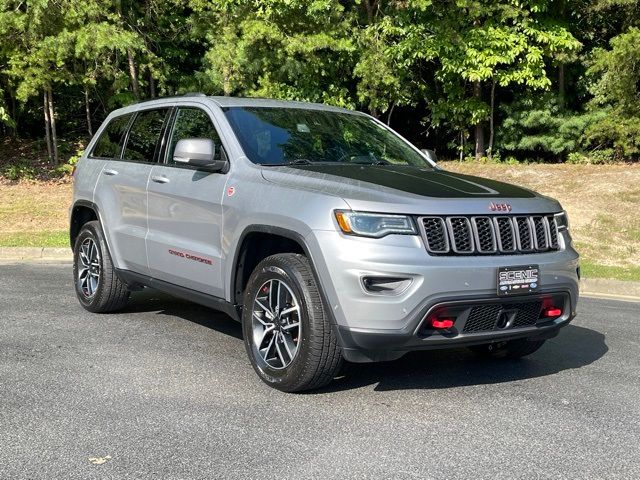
{"x":518,"y":280}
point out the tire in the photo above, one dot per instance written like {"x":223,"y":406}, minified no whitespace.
{"x":299,"y":358}
{"x":509,"y":349}
{"x":103,"y":291}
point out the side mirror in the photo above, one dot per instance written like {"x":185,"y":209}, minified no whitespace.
{"x":199,"y":152}
{"x":430,"y":154}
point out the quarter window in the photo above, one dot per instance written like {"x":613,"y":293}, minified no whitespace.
{"x":109,"y":145}
{"x":193,"y":123}
{"x":145,"y":134}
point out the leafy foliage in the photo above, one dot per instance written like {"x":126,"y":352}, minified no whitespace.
{"x":554,"y":78}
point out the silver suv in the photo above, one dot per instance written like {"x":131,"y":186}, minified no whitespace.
{"x":324,"y":232}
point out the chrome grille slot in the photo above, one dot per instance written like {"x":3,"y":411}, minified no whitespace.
{"x":489,"y":234}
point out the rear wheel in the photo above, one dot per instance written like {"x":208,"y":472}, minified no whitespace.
{"x":287,"y":334}
{"x":98,"y":288}
{"x":509,"y":349}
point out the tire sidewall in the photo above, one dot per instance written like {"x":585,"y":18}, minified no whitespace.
{"x":285,"y":378}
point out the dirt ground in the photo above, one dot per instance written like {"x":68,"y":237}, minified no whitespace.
{"x":603,"y":204}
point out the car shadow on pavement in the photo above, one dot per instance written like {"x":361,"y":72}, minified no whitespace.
{"x":149,"y":300}
{"x":573,"y":348}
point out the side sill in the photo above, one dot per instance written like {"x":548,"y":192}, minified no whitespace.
{"x":134,"y":279}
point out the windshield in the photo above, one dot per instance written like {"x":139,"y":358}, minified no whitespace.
{"x":285,"y":136}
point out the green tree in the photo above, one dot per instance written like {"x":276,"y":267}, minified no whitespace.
{"x":614,"y":82}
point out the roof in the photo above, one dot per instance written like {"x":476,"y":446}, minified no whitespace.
{"x":224,"y":102}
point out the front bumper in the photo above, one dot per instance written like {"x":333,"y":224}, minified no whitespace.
{"x":368,"y":345}
{"x":374,"y":327}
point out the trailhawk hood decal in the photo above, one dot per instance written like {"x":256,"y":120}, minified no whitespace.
{"x":422,"y":182}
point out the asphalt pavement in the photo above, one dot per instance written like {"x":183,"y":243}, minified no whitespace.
{"x":164,"y":390}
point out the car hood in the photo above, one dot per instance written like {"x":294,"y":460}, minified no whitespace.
{"x":408,"y":189}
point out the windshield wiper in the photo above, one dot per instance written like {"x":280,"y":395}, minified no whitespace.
{"x":299,"y":161}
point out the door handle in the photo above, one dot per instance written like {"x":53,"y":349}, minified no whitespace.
{"x":159,"y":179}
{"x":110,"y":172}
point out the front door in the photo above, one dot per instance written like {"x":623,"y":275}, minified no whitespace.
{"x":185,"y":212}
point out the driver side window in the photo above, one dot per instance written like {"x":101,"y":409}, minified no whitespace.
{"x":193,"y":123}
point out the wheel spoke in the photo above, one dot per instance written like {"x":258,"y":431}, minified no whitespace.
{"x":277,"y":309}
{"x":266,"y":331}
{"x":265,"y":353}
{"x":271,"y":304}
{"x":279,"y":352}
{"x":287,"y":311}
{"x":265,"y":324}
{"x":266,"y":310}
{"x":286,"y":328}
{"x":285,"y":342}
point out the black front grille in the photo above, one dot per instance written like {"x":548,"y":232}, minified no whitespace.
{"x":461,"y":239}
{"x":435,"y":235}
{"x":484,"y":318}
{"x":487,"y":235}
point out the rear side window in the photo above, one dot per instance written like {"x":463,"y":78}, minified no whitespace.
{"x":144,"y":135}
{"x":109,"y":144}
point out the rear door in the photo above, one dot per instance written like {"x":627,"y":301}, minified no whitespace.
{"x":185,"y":211}
{"x":121,"y":192}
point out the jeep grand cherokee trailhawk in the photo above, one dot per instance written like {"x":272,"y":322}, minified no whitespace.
{"x":324,"y":232}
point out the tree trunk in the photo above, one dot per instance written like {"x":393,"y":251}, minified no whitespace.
{"x":152,"y":85}
{"x":393,"y":105}
{"x":133,"y":74}
{"x":371,"y":6}
{"x":87,"y":109}
{"x":479,"y":129}
{"x":491,"y":129}
{"x":52,"y":121}
{"x":561,"y":86}
{"x":47,"y":124}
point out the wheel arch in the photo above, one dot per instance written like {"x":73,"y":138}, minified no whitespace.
{"x":83,"y":211}
{"x":243,"y":266}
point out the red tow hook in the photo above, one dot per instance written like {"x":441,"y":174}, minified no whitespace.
{"x":442,"y":323}
{"x":552,"y":312}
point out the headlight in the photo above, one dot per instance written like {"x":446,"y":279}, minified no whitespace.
{"x":374,"y":224}
{"x":562,"y":220}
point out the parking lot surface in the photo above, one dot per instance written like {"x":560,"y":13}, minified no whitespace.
{"x":164,"y":390}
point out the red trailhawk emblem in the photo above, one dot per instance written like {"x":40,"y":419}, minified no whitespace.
{"x":499,"y":207}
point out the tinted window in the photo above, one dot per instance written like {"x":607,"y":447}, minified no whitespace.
{"x":145,"y":135}
{"x":109,"y":144}
{"x":277,"y":136}
{"x":193,"y":123}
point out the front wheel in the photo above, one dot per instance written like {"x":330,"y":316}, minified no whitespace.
{"x":287,"y":334}
{"x":508,"y":349}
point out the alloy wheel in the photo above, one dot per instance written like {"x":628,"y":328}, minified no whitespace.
{"x":88,"y":268}
{"x":276,"y":324}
